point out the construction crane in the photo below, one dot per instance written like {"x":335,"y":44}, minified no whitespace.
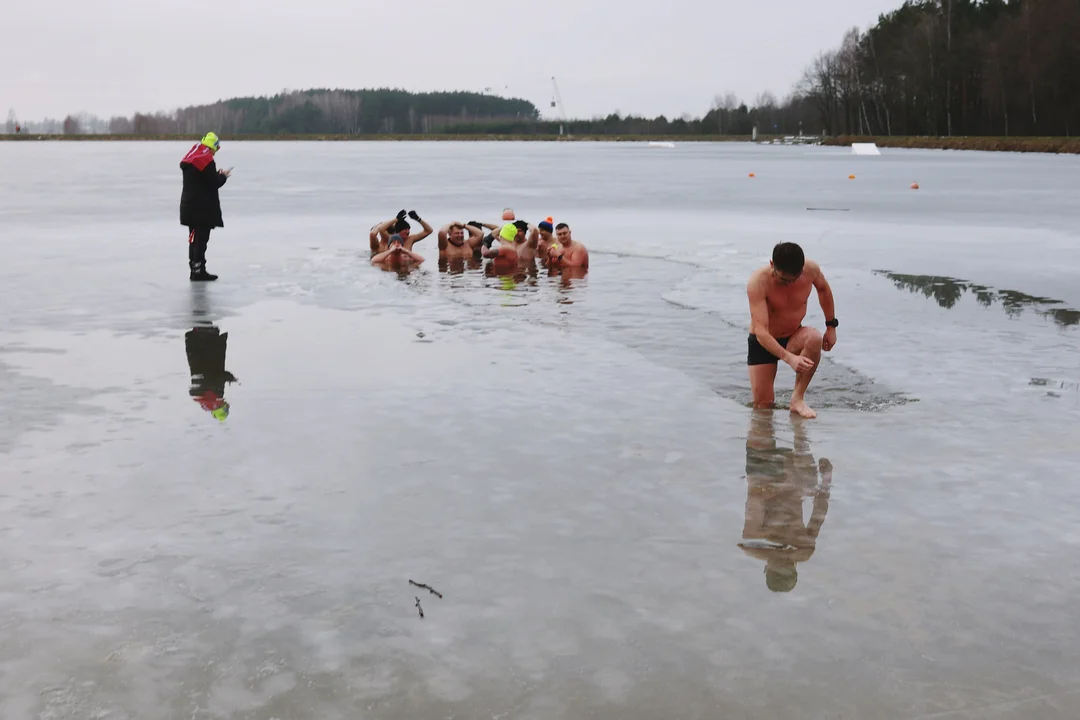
{"x":562,"y":108}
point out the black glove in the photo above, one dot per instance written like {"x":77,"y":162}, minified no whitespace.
{"x":401,"y":215}
{"x":488,"y":239}
{"x":414,"y":216}
{"x":478,"y":226}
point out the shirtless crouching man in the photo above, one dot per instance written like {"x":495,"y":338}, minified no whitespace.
{"x":778,"y":296}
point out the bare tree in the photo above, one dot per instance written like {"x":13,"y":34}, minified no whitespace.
{"x":724,"y":104}
{"x":120,"y":125}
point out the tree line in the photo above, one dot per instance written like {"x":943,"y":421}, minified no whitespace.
{"x":355,"y":112}
{"x":929,"y":68}
{"x":320,"y":111}
{"x":954,"y":67}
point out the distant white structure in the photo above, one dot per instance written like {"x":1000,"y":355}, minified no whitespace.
{"x":661,"y":144}
{"x":865,"y":149}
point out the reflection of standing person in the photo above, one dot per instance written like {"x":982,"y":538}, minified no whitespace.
{"x":200,"y":205}
{"x":777,"y":482}
{"x":205,"y":348}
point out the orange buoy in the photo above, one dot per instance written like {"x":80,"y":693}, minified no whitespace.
{"x":915,"y":186}
{"x":508,"y":214}
{"x":752,"y":175}
{"x":850,"y":177}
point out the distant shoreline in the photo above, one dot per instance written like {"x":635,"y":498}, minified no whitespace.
{"x":1055,"y":145}
{"x":415,"y":137}
{"x":1058,"y":145}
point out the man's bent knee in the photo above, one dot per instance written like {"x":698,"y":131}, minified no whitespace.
{"x":807,"y":339}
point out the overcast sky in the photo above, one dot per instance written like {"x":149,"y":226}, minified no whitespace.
{"x":670,"y":57}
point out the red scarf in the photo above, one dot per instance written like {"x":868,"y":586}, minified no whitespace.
{"x":199,"y":156}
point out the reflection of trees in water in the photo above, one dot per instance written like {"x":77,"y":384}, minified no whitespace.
{"x":947,"y":292}
{"x":1064,"y":316}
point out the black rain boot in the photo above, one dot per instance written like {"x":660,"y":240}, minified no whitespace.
{"x":199,"y":274}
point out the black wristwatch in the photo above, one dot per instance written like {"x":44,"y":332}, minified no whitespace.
{"x":832,"y":323}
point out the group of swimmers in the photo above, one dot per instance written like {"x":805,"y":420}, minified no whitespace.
{"x":777,"y":293}
{"x":507,"y":245}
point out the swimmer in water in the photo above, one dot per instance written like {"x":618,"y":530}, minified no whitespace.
{"x":567,"y":252}
{"x":778,"y":295}
{"x":397,"y":257}
{"x":544,"y":232}
{"x":454,"y":244}
{"x":501,"y":250}
{"x":525,"y":242}
{"x":379,"y":236}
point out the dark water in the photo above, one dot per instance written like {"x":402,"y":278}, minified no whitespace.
{"x":570,"y":463}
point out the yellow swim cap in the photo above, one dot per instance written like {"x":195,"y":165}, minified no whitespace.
{"x":509,"y":232}
{"x":211,"y":140}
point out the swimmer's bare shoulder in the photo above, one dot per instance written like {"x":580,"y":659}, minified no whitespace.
{"x":758,"y":281}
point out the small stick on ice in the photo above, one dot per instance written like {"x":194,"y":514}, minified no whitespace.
{"x":430,"y":589}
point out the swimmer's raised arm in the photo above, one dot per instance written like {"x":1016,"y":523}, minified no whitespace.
{"x":379,"y":230}
{"x":534,"y":237}
{"x":423,"y":223}
{"x":444,"y":234}
{"x":377,"y":259}
{"x":476,"y":238}
{"x":412,"y":256}
{"x":490,"y":250}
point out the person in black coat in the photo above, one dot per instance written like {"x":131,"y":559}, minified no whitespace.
{"x":200,"y":206}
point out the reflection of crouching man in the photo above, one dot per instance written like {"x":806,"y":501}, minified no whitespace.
{"x":778,"y":480}
{"x":205,"y":348}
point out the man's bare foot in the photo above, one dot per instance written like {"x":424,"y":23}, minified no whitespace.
{"x":800,"y":406}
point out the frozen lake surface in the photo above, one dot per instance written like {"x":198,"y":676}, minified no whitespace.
{"x":571,"y":463}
